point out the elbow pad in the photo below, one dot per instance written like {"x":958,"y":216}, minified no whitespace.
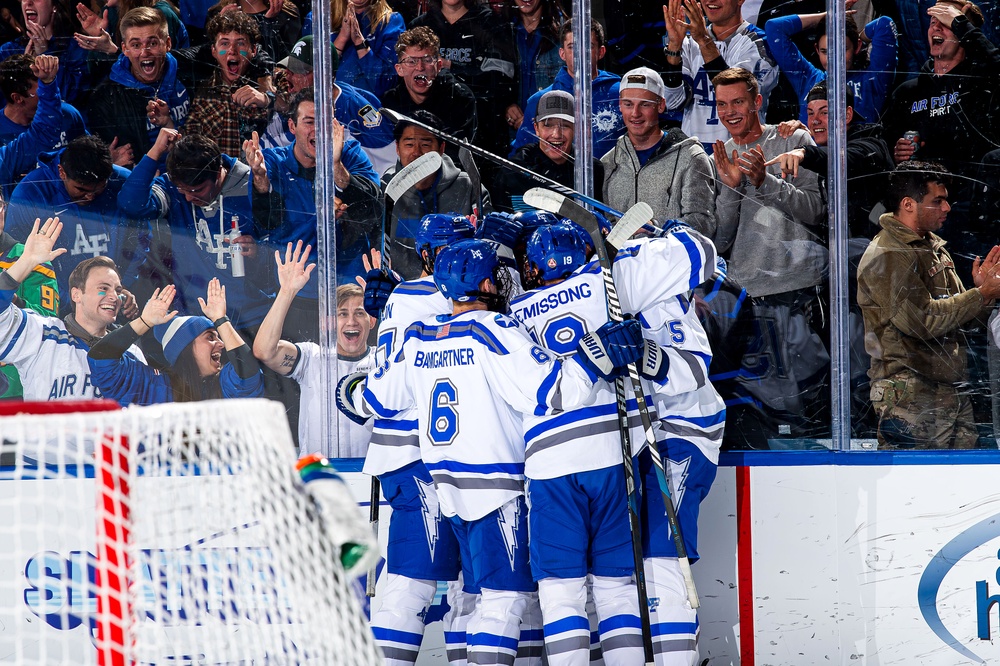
{"x":345,"y":396}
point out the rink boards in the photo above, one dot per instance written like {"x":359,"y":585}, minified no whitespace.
{"x":807,"y":558}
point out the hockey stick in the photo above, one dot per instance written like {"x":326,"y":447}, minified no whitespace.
{"x":408,"y":176}
{"x":589,"y":222}
{"x":396,"y":117}
{"x":557,"y":203}
{"x":469,"y":166}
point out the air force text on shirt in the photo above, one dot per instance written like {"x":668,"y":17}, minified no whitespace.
{"x":939,"y":105}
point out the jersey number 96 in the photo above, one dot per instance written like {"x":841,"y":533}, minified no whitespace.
{"x":443,"y":426}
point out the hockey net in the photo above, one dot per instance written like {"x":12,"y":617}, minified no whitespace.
{"x":168,"y":534}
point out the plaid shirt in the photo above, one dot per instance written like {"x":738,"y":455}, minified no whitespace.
{"x":214,"y":114}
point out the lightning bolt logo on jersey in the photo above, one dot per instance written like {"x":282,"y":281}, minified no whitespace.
{"x":432,"y":514}
{"x":508,"y":517}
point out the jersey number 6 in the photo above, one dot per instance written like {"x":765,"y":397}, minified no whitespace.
{"x":443,"y":427}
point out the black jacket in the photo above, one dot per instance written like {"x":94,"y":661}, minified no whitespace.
{"x":869,"y":161}
{"x":513,"y":184}
{"x":956,"y":113}
{"x":449,"y":99}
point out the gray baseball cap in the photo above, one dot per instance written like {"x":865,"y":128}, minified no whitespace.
{"x":555,"y":104}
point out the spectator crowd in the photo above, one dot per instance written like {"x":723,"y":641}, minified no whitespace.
{"x":176,"y":146}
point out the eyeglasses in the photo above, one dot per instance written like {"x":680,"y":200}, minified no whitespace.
{"x":629,"y":104}
{"x":413,"y":61}
{"x":555,"y":123}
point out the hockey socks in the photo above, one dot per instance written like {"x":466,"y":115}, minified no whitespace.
{"x":674,"y":622}
{"x":398,"y":625}
{"x":495,"y":628}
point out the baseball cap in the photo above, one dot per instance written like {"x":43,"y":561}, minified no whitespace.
{"x":555,"y":104}
{"x":300,"y":59}
{"x":643,"y":78}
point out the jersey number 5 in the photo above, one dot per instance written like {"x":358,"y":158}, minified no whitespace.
{"x":443,"y":427}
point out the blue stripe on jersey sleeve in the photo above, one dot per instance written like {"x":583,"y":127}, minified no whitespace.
{"x":377,"y":406}
{"x":449,"y":330}
{"x":401,"y":425}
{"x":701,"y":421}
{"x":62,"y":337}
{"x":407,"y":289}
{"x":545,"y":387}
{"x":707,"y":358}
{"x":569,"y":417}
{"x":17,"y":333}
{"x":694,"y":254}
{"x":492,"y":468}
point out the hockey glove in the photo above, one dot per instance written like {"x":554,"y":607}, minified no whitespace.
{"x":378,"y":287}
{"x":655,"y":362}
{"x":345,"y":396}
{"x":611,"y":347}
{"x":503,"y":229}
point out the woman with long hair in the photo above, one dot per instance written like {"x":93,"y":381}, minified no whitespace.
{"x":192,"y":347}
{"x":49,"y":29}
{"x":364,"y":34}
{"x":535,"y":26}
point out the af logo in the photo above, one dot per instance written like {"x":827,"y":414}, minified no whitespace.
{"x":370,"y":116}
{"x":94,"y":245}
{"x":477,"y":254}
{"x":211,"y":243}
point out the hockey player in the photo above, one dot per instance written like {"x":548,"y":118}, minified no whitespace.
{"x":422,"y":548}
{"x":473,"y":373}
{"x":569,"y":303}
{"x":50,"y":354}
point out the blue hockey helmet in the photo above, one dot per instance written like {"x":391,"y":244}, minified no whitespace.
{"x":585,"y":237}
{"x":461,"y":268}
{"x":555,"y":251}
{"x":532,"y":219}
{"x":439,"y":230}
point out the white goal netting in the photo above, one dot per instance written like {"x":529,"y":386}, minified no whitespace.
{"x":173,"y":534}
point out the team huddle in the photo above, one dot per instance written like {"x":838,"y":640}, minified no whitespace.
{"x":497,"y":439}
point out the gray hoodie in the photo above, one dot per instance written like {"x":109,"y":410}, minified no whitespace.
{"x":776,"y":233}
{"x":678,"y":181}
{"x":451,"y":193}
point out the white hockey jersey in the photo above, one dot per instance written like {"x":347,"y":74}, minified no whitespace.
{"x":51,"y":362}
{"x":394,"y":442}
{"x":469,"y":378}
{"x":352,"y":438}
{"x":687,"y":403}
{"x":746,"y":48}
{"x":649,"y":274}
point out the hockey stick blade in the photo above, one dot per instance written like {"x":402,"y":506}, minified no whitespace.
{"x":470,"y":167}
{"x":634,"y":219}
{"x":562,"y":205}
{"x":413,"y":173}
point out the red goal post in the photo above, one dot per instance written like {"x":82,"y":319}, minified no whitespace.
{"x":176,"y":533}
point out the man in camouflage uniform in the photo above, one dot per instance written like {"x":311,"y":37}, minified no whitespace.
{"x":914,"y":304}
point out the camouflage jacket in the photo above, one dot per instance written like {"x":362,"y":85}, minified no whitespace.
{"x":914,"y":304}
